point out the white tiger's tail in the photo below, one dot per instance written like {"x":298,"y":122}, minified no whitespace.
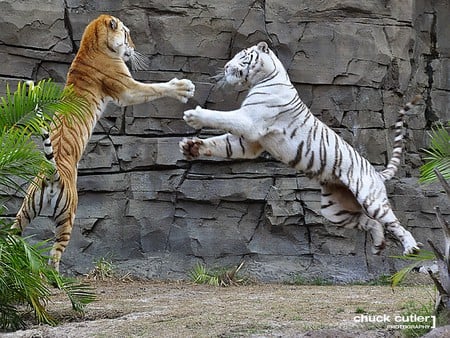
{"x":394,"y":162}
{"x":48,"y":148}
{"x":48,"y":152}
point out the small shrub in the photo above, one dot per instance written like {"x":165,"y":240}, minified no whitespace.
{"x":217,"y":277}
{"x":104,"y":268}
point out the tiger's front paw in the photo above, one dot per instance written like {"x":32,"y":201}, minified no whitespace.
{"x":191,"y":147}
{"x":193,"y":117}
{"x":183,"y":89}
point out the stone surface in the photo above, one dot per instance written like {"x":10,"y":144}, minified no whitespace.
{"x":142,"y":204}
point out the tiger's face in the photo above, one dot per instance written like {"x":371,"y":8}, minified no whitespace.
{"x":249,"y":66}
{"x":118,"y":38}
{"x":113,"y":37}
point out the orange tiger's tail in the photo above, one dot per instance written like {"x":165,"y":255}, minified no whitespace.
{"x":394,"y":162}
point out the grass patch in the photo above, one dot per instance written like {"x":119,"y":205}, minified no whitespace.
{"x":301,"y":280}
{"x":382,"y":280}
{"x":412,"y":308}
{"x":360,"y":310}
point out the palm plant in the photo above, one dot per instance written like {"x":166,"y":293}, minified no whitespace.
{"x":437,"y":156}
{"x":436,"y":167}
{"x":25,"y":277}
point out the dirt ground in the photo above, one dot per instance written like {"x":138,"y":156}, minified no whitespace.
{"x":127,"y":308}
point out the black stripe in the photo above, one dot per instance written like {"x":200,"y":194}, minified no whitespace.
{"x":274,"y":84}
{"x":269,"y":77}
{"x":256,"y":93}
{"x":358,"y":187}
{"x":298,"y":155}
{"x":342,"y":212}
{"x":58,"y":200}
{"x":323,"y":151}
{"x":241,"y":143}
{"x":295,"y":108}
{"x":307,"y":117}
{"x":311,"y":135}
{"x":324,"y":206}
{"x":294,"y":132}
{"x":295,"y":98}
{"x":108,"y":75}
{"x":384,"y":213}
{"x":337,"y":157}
{"x":62,"y":222}
{"x":311,"y":162}
{"x":228,"y":147}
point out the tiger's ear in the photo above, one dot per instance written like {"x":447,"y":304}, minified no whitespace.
{"x":113,"y":24}
{"x":263,"y":47}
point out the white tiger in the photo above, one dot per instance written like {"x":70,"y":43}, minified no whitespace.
{"x":273,"y":118}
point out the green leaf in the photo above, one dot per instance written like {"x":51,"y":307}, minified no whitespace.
{"x":19,"y":157}
{"x":419,"y":258}
{"x":34,"y":106}
{"x":437,"y":156}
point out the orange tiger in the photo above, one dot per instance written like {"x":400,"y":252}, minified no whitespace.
{"x":99,"y":74}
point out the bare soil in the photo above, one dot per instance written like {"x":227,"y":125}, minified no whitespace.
{"x":181,"y":309}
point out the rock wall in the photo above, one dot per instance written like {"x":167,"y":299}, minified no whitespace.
{"x":353,"y":62}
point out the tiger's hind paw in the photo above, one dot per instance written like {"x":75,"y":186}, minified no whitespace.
{"x":378,"y":249}
{"x":190,"y":148}
{"x":412,"y":249}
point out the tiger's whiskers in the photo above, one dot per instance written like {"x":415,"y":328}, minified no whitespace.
{"x":139,"y":61}
{"x":220,"y":78}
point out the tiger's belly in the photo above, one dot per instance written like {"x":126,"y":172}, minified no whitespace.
{"x":313,"y":158}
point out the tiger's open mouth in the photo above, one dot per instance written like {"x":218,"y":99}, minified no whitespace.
{"x":234,"y":75}
{"x":127,"y":55}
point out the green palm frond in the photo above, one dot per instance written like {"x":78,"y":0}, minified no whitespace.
{"x":418,"y":259}
{"x":31,"y":107}
{"x":24,"y":113}
{"x":79,"y":294}
{"x":19,"y":158}
{"x":437,"y":156}
{"x":20,"y":277}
